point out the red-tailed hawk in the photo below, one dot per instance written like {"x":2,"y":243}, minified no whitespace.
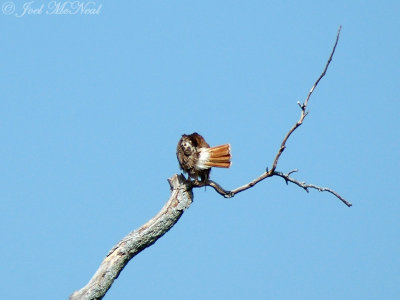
{"x":196,"y":157}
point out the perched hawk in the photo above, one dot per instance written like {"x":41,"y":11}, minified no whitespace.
{"x":196,"y":157}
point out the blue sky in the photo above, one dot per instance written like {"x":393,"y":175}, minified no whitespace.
{"x":92,"y":107}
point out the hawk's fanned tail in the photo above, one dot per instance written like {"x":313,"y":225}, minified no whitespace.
{"x":218,"y":156}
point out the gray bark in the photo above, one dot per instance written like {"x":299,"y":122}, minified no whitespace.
{"x":138,"y":240}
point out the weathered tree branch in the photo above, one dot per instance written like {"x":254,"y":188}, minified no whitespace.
{"x":180,"y":199}
{"x":139,"y":239}
{"x":272,"y":171}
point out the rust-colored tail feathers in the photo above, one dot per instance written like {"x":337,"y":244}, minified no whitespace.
{"x":219,"y":156}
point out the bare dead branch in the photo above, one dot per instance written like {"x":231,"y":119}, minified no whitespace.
{"x":272,"y":171}
{"x":220,"y":190}
{"x":306,"y":186}
{"x":136,"y":241}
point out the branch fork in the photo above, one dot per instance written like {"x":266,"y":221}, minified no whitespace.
{"x":272,"y":172}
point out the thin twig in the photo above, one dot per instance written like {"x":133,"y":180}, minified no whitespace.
{"x":303,"y":106}
{"x":306,"y":186}
{"x":326,"y":67}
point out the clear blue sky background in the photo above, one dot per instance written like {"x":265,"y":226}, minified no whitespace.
{"x":92,"y":107}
